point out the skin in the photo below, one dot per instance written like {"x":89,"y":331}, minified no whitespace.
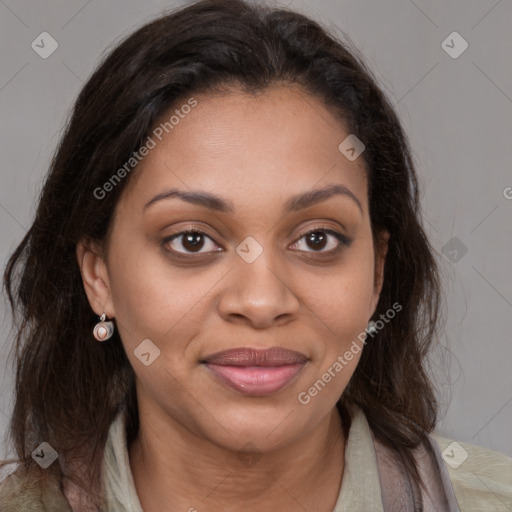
{"x":256,"y":152}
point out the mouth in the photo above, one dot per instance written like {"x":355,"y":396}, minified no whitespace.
{"x":256,"y":372}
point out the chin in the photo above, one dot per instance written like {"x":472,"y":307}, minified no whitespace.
{"x":266,"y":428}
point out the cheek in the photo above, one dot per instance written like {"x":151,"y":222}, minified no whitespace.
{"x":154,"y":299}
{"x":340,"y":316}
{"x":342,"y":299}
{"x":341,"y":308}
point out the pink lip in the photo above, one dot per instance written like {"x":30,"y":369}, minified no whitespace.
{"x":256,"y":372}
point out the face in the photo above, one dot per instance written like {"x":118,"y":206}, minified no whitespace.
{"x":270,"y":262}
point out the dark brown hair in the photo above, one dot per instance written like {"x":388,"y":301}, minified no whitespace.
{"x":69,"y":387}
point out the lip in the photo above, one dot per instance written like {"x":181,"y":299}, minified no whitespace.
{"x":256,"y":372}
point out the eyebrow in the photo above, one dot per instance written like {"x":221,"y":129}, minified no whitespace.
{"x":295,"y":203}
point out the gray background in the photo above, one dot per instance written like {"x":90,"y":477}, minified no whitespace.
{"x":456,"y":111}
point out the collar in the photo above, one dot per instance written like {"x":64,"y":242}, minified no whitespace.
{"x":360,"y":490}
{"x":120,"y":493}
{"x":360,"y":487}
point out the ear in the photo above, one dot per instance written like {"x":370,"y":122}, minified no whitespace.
{"x":95,"y":277}
{"x":381,"y":250}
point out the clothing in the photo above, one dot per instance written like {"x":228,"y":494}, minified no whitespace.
{"x":482,"y":482}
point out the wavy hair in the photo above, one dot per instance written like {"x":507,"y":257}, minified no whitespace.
{"x":68,"y":388}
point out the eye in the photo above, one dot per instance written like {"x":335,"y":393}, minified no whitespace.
{"x":192,"y":240}
{"x":318,"y":238}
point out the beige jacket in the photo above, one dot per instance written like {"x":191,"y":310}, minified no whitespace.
{"x":481,"y":479}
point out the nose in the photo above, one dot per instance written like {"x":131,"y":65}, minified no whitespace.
{"x":258,"y":293}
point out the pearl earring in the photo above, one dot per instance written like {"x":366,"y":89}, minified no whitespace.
{"x":103,"y":330}
{"x":372,"y":327}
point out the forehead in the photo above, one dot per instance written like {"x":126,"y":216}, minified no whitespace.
{"x":247,"y":147}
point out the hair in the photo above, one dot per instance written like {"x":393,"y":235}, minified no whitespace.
{"x":69,"y":388}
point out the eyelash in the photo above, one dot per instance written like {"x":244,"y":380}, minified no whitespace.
{"x":342,"y":239}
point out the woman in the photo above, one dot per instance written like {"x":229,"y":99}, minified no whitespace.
{"x":227,"y":295}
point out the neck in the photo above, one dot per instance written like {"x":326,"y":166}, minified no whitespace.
{"x":186,"y":473}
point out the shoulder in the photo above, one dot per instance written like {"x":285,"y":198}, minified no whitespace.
{"x":481,"y":478}
{"x":22,"y":490}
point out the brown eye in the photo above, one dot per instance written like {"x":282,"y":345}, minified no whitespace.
{"x":191,"y":241}
{"x":319,"y":238}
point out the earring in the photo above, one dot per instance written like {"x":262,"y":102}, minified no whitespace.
{"x":372,"y":327}
{"x":103,"y":330}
